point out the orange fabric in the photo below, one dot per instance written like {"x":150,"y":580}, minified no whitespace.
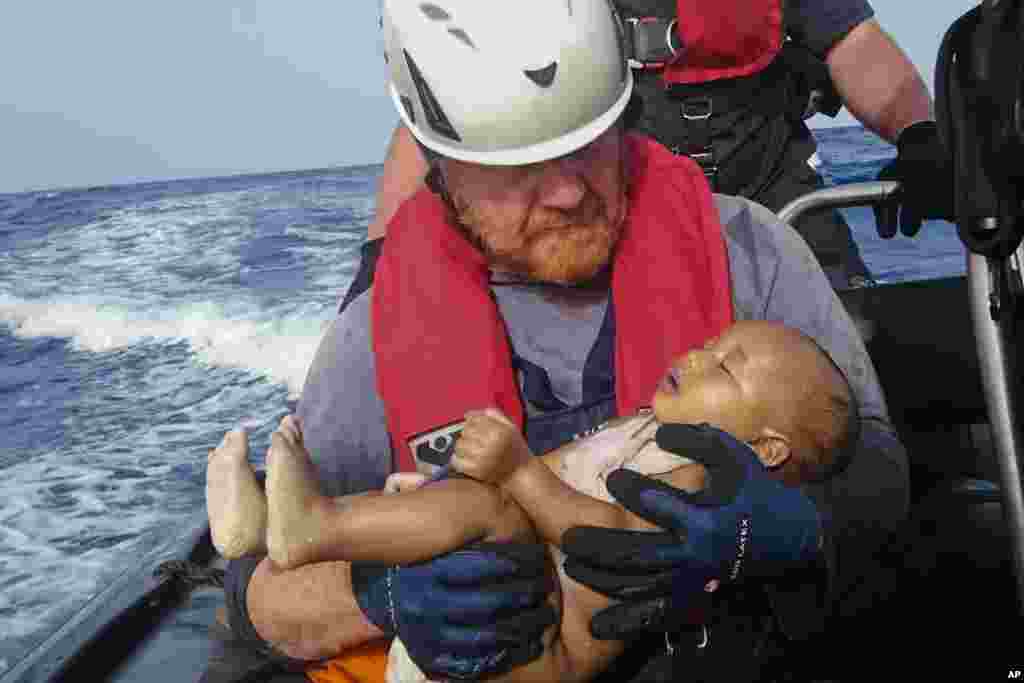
{"x":725,"y":39}
{"x":440,"y":344}
{"x":364,"y":664}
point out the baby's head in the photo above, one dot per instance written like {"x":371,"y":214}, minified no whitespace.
{"x":772,"y":387}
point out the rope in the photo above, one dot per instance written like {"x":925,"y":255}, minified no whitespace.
{"x":190,"y":574}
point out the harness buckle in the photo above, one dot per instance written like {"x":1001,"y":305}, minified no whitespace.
{"x":650,"y":42}
{"x":696,"y":108}
{"x":697,"y":111}
{"x":701,"y":640}
{"x":704,"y":159}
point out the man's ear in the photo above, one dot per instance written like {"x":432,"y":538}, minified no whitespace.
{"x":772,"y":448}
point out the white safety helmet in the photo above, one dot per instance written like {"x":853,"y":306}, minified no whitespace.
{"x":506,"y":82}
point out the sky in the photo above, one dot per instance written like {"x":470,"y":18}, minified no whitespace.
{"x":114,"y":91}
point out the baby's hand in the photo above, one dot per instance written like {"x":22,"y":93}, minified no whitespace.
{"x":490,"y":447}
{"x":404,"y":481}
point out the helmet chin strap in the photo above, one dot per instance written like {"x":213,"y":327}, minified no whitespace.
{"x":434,"y":180}
{"x":436,"y":184}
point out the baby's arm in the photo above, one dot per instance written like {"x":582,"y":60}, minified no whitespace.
{"x":491,"y":449}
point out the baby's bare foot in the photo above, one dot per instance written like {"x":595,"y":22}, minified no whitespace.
{"x":234,"y":501}
{"x":294,"y":500}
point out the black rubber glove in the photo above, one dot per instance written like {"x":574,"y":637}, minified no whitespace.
{"x":744,"y":523}
{"x":474,"y":612}
{"x":925,"y":174}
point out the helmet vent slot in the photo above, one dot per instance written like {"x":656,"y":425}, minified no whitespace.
{"x":543,"y":77}
{"x":436,"y":117}
{"x":462,"y":36}
{"x":409,"y":108}
{"x":433,"y":12}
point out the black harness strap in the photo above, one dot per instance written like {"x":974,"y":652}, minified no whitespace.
{"x":704,"y":110}
{"x":650,"y":42}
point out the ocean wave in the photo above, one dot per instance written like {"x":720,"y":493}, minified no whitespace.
{"x":280,"y":348}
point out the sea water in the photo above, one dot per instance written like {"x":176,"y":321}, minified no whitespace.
{"x":138,"y":323}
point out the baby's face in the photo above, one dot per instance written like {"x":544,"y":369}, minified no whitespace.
{"x":713,"y":385}
{"x":736,"y":381}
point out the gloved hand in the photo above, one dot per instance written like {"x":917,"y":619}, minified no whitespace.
{"x":743,"y":524}
{"x":476,"y":611}
{"x":926,"y":182}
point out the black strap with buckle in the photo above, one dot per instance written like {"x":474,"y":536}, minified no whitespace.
{"x":651,"y":42}
{"x":697,"y":111}
{"x":702,"y":106}
{"x":733,"y":94}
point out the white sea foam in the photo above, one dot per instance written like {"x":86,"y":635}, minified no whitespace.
{"x":319,"y":235}
{"x":275,"y":347}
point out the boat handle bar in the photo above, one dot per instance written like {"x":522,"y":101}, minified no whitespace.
{"x":840,"y":196}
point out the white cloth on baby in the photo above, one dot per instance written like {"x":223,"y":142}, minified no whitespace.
{"x":401,"y":668}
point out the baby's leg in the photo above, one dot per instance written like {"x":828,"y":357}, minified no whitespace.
{"x":298,"y":517}
{"x":234,"y":501}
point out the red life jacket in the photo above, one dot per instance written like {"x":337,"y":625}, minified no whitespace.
{"x":725,"y":39}
{"x":439,"y":340}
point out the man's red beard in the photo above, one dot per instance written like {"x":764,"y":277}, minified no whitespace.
{"x":546,"y":245}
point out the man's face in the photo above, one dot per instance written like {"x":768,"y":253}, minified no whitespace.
{"x":554,"y":221}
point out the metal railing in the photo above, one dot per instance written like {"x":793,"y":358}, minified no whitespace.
{"x":839,"y":197}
